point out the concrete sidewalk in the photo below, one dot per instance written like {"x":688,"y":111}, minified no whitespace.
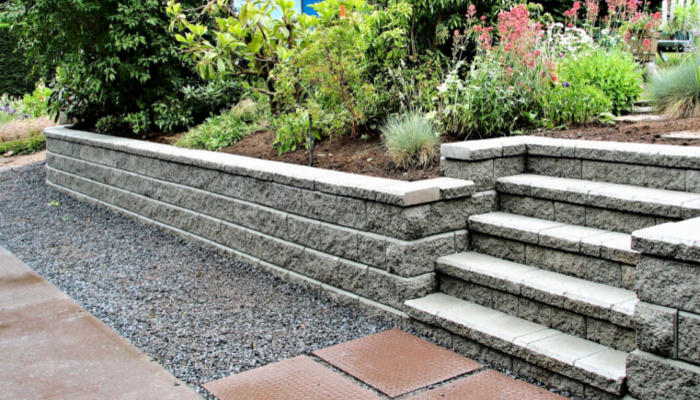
{"x":51,"y":348}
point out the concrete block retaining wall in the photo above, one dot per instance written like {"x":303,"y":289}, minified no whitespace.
{"x":666,"y":364}
{"x":644,"y":165}
{"x":359,"y":237}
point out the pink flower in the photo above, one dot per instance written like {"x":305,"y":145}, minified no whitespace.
{"x":456,"y":32}
{"x":647,"y":43}
{"x":537,"y":53}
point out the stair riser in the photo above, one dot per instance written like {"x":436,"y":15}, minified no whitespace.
{"x":568,"y":321}
{"x":577,"y":214}
{"x":608,"y":389}
{"x":573,"y":264}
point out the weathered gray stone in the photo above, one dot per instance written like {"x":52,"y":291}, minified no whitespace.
{"x":262,"y":219}
{"x":568,"y":322}
{"x":535,"y":311}
{"x":352,"y":277}
{"x":629,"y":277}
{"x":316,"y":265}
{"x":476,"y":351}
{"x":371,"y":249}
{"x":609,"y":273}
{"x":498,"y":247}
{"x":569,"y":213}
{"x":461,"y":241}
{"x":689,"y":337}
{"x":669,"y":283}
{"x":528,"y":206}
{"x":677,"y":240}
{"x":656,"y":329}
{"x":466,"y":290}
{"x":551,"y":379}
{"x":505,"y":302}
{"x":451,"y":215}
{"x":557,"y":261}
{"x":637,"y":175}
{"x":559,"y":167}
{"x":692,"y":180}
{"x":610,"y":335}
{"x":509,"y":166}
{"x":652,"y":377}
{"x":617,"y":221}
{"x":397,"y":222}
{"x":480,"y":172}
{"x":342,"y":242}
{"x":417,"y":257}
{"x":304,"y":231}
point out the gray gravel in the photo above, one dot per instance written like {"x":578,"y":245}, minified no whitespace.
{"x":201,"y":315}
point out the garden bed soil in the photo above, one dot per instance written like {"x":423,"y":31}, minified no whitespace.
{"x":631,"y":132}
{"x":368,"y":156}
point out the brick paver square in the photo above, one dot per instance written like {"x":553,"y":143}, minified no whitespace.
{"x":487,"y":385}
{"x":298,"y":378}
{"x":395,"y":362}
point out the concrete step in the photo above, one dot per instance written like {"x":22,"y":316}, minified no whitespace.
{"x":594,"y":254}
{"x":593,"y":364}
{"x":610,"y":206}
{"x":593,"y":311}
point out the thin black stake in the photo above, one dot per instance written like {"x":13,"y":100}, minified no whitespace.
{"x":311,"y":141}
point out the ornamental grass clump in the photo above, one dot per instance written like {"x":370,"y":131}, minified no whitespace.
{"x":676,"y":91}
{"x":411,"y":140}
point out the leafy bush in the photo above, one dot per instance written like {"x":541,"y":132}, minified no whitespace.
{"x":16,"y":77}
{"x":567,"y":104}
{"x":613,"y":71}
{"x":36,"y":104}
{"x":676,"y":91}
{"x":226,"y":129}
{"x":23,"y":146}
{"x":411,"y":140}
{"x":291,"y":131}
{"x":115,"y":57}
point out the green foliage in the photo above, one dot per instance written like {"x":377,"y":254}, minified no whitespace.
{"x":116,"y":57}
{"x":16,"y":77}
{"x":572,"y":105}
{"x":411,"y":140}
{"x":226,"y":129}
{"x":248,"y":44}
{"x":18,"y":147}
{"x":676,"y":91}
{"x":36,"y":104}
{"x":613,"y":71}
{"x":292,"y":131}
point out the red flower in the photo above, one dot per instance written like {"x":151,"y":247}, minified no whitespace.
{"x":554,"y":77}
{"x":342,"y":11}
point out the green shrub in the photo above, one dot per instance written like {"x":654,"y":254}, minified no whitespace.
{"x":36,"y":104}
{"x":613,"y":71}
{"x":226,"y":129}
{"x":410,"y":140}
{"x":16,"y":77}
{"x":564,"y":104}
{"x":291,"y":131}
{"x":23,"y":146}
{"x":676,"y":91}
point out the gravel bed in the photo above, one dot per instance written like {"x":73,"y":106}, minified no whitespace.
{"x":201,"y":315}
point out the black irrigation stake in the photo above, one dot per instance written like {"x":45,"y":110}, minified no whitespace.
{"x":311,"y":141}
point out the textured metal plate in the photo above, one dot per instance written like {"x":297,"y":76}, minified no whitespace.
{"x":294,"y":379}
{"x":488,"y":385}
{"x":395,"y":362}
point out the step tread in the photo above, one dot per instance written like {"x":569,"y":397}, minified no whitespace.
{"x":600,"y":243}
{"x":582,"y":296}
{"x":577,"y":358}
{"x":641,"y":200}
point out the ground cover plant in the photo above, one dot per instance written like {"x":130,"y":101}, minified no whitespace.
{"x":22,"y":122}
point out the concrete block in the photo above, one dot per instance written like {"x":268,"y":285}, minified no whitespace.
{"x":304,"y":231}
{"x":461,"y":241}
{"x":611,"y":335}
{"x":535,"y":311}
{"x":397,"y":222}
{"x":527,"y":206}
{"x":339,"y":241}
{"x":678,"y":240}
{"x":656,"y":329}
{"x":509,"y":166}
{"x":692,"y":180}
{"x":371,"y":249}
{"x":617,"y":221}
{"x":669,"y":283}
{"x":554,"y":260}
{"x":569,"y":213}
{"x":392,"y":290}
{"x":609,"y":273}
{"x":417,"y":257}
{"x":481,"y":353}
{"x":497,"y":247}
{"x":548,"y":378}
{"x":468,"y":291}
{"x":636,"y":175}
{"x":480,"y":172}
{"x":655,"y":378}
{"x":263,"y":219}
{"x":689,"y":337}
{"x":505,"y":302}
{"x":559,"y":167}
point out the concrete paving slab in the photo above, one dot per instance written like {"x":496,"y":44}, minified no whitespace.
{"x":53,"y":349}
{"x":395,"y":362}
{"x":488,"y":385}
{"x":685,"y":135}
{"x":298,"y":378}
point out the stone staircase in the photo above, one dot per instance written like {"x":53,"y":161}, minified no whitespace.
{"x":549,"y":280}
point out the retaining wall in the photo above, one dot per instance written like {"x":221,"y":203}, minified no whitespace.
{"x":364,"y":239}
{"x":666,"y":364}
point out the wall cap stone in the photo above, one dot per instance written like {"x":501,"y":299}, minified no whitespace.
{"x":631,"y":153}
{"x":676,"y":240}
{"x":389,"y":191}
